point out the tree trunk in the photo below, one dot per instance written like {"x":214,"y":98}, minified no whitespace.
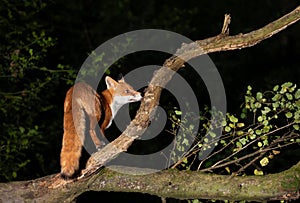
{"x":168,"y":183}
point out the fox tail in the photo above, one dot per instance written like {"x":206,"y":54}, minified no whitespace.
{"x":73,"y":137}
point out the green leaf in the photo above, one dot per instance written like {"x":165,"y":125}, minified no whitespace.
{"x":266,"y":142}
{"x":240,"y":132}
{"x":266,"y":128}
{"x":227,"y":169}
{"x":252,"y":135}
{"x":25,"y":142}
{"x":297,"y":116}
{"x":185,"y":141}
{"x":212,"y":134}
{"x":275,"y":88}
{"x":240,"y":125}
{"x":260,"y":118}
{"x":297,"y":103}
{"x":266,"y":110}
{"x":22,"y":130}
{"x":259,"y":95}
{"x":177,"y":112}
{"x":243,"y":115}
{"x":264,"y":161}
{"x":243,"y":141}
{"x":258,"y":132}
{"x":296,"y":126}
{"x":30,"y":52}
{"x":258,"y":172}
{"x":224,"y":123}
{"x":257,"y":105}
{"x":233,"y":119}
{"x":297,"y":94}
{"x":265,"y":122}
{"x":289,"y":96}
{"x":287,"y":85}
{"x":227,"y":129}
{"x":275,"y":105}
{"x":259,"y":144}
{"x":191,"y":127}
{"x":292,"y":89}
{"x":14,"y":174}
{"x":277,"y":97}
{"x":289,"y":114}
{"x":239,"y":145}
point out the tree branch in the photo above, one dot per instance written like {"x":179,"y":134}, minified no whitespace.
{"x":168,"y":183}
{"x":161,"y":77}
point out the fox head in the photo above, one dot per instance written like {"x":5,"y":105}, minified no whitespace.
{"x":122,"y":93}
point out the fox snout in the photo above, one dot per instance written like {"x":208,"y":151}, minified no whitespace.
{"x":136,"y":97}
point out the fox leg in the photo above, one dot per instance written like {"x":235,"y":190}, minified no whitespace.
{"x":97,"y":142}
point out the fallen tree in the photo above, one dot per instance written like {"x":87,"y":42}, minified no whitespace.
{"x":168,"y":183}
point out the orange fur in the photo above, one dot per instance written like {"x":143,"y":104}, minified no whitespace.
{"x":78,"y":107}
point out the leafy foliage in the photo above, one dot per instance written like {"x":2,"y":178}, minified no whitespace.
{"x":25,"y":99}
{"x":268,"y":122}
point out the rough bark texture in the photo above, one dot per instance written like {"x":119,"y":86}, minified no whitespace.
{"x":169,"y":183}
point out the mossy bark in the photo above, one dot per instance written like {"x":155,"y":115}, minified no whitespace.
{"x":169,"y":183}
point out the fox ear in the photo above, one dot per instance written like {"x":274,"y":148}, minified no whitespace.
{"x":110,"y":83}
{"x":121,"y":78}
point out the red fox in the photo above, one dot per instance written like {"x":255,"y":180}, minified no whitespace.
{"x":78,"y":107}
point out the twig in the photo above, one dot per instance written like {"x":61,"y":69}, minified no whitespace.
{"x":249,"y":164}
{"x":249,"y":155}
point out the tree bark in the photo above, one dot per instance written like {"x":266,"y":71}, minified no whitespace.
{"x":168,"y":183}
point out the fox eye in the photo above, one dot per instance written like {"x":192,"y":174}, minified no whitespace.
{"x":127,"y":91}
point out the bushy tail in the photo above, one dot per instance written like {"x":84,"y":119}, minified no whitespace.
{"x":73,"y":137}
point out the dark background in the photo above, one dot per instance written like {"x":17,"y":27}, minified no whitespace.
{"x":78,"y":27}
{"x":81,"y":27}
